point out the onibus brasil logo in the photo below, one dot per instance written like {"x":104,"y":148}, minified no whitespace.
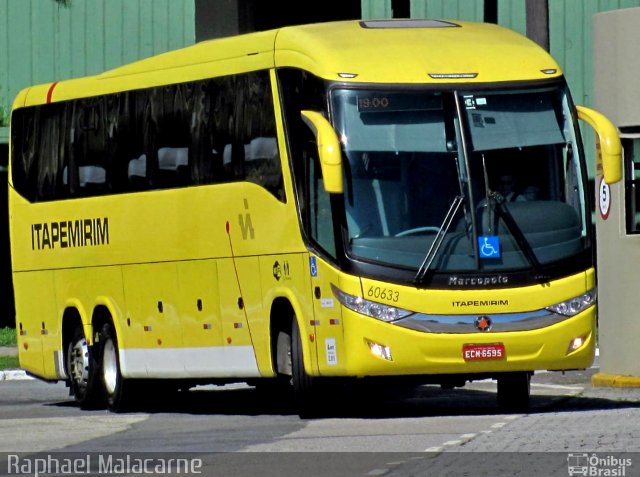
{"x":596,"y":465}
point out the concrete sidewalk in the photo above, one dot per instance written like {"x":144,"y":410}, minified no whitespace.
{"x":11,"y":374}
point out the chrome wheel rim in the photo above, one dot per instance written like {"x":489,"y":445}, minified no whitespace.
{"x":79,"y":363}
{"x":109,"y":367}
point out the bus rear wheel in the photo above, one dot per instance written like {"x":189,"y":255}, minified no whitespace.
{"x":117,"y":389}
{"x":83,"y":372}
{"x":514,"y":391}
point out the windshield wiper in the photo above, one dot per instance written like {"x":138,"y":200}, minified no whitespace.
{"x":495,"y":198}
{"x":437,"y":241}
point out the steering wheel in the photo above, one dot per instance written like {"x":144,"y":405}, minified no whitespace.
{"x":418,"y":230}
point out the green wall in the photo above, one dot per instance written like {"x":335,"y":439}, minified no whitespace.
{"x":471,"y":10}
{"x":41,"y":41}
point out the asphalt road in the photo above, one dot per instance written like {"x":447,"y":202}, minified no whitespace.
{"x":234,"y":431}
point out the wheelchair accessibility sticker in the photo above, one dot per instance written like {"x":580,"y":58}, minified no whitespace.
{"x":489,"y":246}
{"x":313,"y":266}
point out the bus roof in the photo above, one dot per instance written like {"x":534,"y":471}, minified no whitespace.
{"x":413,"y":51}
{"x":374,"y":51}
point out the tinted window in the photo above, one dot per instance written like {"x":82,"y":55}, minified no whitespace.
{"x":302,"y":91}
{"x":204,"y":132}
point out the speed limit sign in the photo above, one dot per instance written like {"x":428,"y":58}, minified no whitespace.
{"x":604,"y":199}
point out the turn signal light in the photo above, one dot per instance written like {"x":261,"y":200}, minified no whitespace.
{"x":576,"y":343}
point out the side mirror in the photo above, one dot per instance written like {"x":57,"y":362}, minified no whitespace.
{"x":328,"y":150}
{"x":608,"y":145}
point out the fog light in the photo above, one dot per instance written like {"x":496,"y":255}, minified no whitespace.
{"x":576,"y":343}
{"x":380,"y":351}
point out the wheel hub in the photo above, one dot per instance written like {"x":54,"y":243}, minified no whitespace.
{"x":79,"y":362}
{"x":109,"y":366}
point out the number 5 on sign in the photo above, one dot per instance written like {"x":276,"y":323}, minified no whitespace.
{"x":604,"y":199}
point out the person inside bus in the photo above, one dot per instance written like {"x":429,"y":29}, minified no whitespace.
{"x":514,"y":173}
{"x":512,"y":188}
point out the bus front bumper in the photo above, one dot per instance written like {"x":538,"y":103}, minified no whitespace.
{"x":375,"y":348}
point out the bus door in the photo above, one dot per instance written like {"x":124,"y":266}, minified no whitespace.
{"x":325,"y":327}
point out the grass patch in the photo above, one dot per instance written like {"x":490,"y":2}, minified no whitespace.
{"x":7,"y":336}
{"x":9,"y":362}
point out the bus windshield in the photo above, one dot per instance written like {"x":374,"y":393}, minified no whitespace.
{"x":510,"y":158}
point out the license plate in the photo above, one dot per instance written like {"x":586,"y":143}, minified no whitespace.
{"x":482,"y":352}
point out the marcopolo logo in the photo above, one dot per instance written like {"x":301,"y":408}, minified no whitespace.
{"x":597,"y":465}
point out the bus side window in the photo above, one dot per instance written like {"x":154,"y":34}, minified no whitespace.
{"x":203,"y":161}
{"x":87,"y":174}
{"x":161,"y":137}
{"x":120,"y":146}
{"x":171,"y":148}
{"x":262,"y":164}
{"x":261,"y":159}
{"x":52,"y":152}
{"x":23,"y":134}
{"x":40,"y":151}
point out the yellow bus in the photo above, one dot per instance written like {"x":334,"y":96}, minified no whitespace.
{"x":307,"y":206}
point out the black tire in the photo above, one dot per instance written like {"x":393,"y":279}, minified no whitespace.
{"x":118,"y":390}
{"x":305,"y":389}
{"x":514,"y":391}
{"x":83,"y":370}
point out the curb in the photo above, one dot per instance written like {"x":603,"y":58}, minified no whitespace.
{"x":11,"y":374}
{"x":603,"y":380}
{"x":14,"y":375}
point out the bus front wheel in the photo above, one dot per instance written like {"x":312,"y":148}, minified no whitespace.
{"x":82,"y":369}
{"x":304,"y":387}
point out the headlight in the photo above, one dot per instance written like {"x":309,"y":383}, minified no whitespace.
{"x":575,"y":305}
{"x":370,"y":308}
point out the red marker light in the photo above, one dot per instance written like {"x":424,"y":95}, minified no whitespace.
{"x":227,"y":226}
